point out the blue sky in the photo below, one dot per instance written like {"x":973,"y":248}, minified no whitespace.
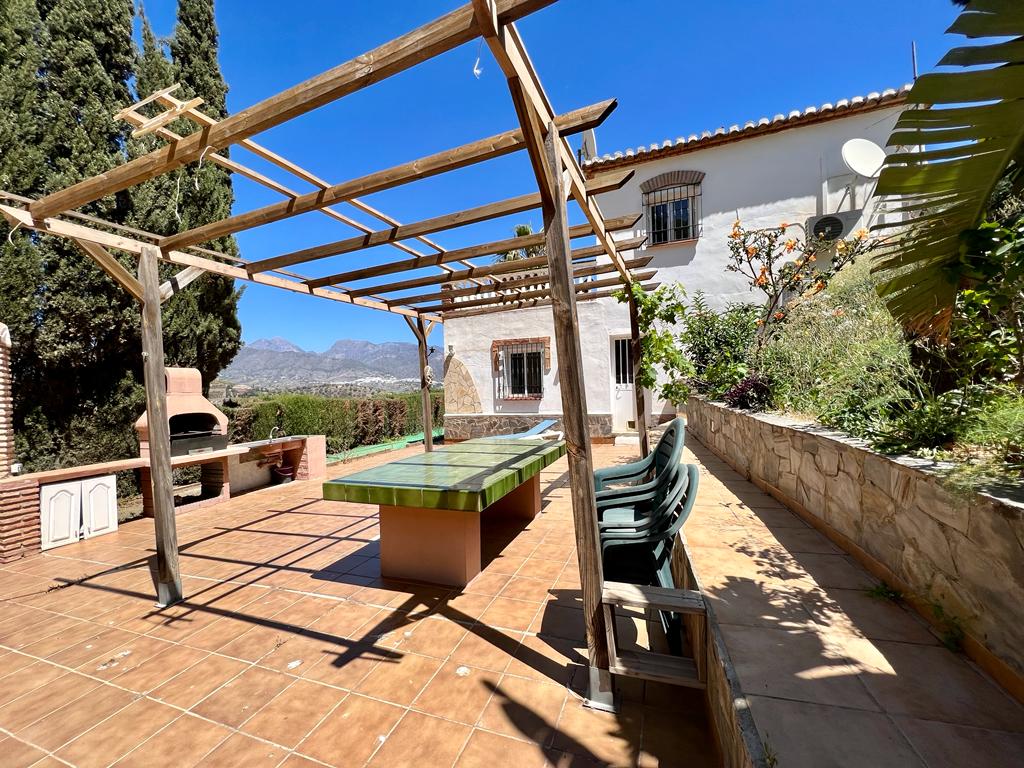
{"x":675,"y":67}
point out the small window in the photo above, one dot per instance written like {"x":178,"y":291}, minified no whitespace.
{"x":521,"y":373}
{"x":623,"y":362}
{"x":673,"y":214}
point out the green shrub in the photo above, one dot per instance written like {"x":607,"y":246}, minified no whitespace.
{"x":346,"y":422}
{"x":718,"y":344}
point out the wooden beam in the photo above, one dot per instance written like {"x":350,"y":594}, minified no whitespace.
{"x":448,"y":160}
{"x":421,"y":331}
{"x":119,"y":242}
{"x":168,"y":576}
{"x":639,"y":395}
{"x":537,"y":293}
{"x":165,"y":117}
{"x":519,"y":282}
{"x":575,"y":425}
{"x":112,"y":267}
{"x":453,"y":315}
{"x":444,"y":34}
{"x":471,"y":252}
{"x":486,"y":270}
{"x":177,"y":283}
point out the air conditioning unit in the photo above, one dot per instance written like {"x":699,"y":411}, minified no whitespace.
{"x":833,"y":226}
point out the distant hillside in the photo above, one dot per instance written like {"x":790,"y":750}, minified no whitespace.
{"x":280,"y":364}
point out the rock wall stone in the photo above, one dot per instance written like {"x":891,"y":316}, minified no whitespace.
{"x":466,"y":427}
{"x":460,"y":395}
{"x":965,"y":555}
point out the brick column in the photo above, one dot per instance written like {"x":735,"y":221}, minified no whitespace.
{"x":6,"y":404}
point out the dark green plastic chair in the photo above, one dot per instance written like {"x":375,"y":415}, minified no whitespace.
{"x":641,"y":553}
{"x":629,"y":492}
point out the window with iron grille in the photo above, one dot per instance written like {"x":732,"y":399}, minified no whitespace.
{"x":623,"y":362}
{"x":673,"y":213}
{"x":521,"y":374}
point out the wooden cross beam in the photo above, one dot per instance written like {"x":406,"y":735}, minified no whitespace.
{"x":604,"y":183}
{"x":444,"y":34}
{"x":603,"y":294}
{"x":432,"y":165}
{"x":498,"y":299}
{"x":470,"y":252}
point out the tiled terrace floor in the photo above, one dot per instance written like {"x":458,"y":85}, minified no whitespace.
{"x":290,"y":651}
{"x":835,"y":676}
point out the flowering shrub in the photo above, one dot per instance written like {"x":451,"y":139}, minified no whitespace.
{"x":785,"y":267}
{"x":754,"y":393}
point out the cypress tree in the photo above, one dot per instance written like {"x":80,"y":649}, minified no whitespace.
{"x":22,"y":39}
{"x":88,"y":333}
{"x":203,"y":331}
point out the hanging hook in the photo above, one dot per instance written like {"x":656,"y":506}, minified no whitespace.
{"x":11,"y":233}
{"x":477,"y":69}
{"x":206,"y":149}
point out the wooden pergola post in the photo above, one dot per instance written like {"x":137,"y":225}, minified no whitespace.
{"x":574,"y":423}
{"x":168,"y":576}
{"x":421,"y":330}
{"x":636,"y":349}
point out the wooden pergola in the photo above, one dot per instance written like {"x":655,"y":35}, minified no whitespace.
{"x":460,"y":288}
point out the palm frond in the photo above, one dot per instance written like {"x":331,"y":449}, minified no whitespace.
{"x":951,"y":147}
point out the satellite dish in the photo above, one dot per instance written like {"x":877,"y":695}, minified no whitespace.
{"x":589,"y":144}
{"x":863,"y":157}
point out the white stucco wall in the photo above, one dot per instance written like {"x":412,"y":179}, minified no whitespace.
{"x":764,"y":180}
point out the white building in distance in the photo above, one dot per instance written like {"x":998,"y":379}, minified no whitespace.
{"x":501,"y":370}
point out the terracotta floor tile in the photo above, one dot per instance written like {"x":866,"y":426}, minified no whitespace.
{"x":350,"y":734}
{"x":672,"y":740}
{"x":116,"y":736}
{"x":538,"y":568}
{"x":125,"y":658}
{"x":525,"y":709}
{"x":399,"y":682}
{"x":159,"y":668}
{"x":559,"y":621}
{"x":242,"y":697}
{"x":73,"y":719}
{"x":347,"y":666}
{"x":797,"y":665}
{"x":27,"y":679}
{"x":40,"y":702}
{"x":18,"y":754}
{"x":436,"y":637}
{"x":506,"y":613}
{"x":293,"y":713}
{"x":406,"y":747}
{"x":487,"y":750}
{"x":198,"y":681}
{"x":217,"y":634}
{"x":943,"y":745}
{"x":458,"y":692}
{"x":466,"y":608}
{"x":487,"y":584}
{"x":840,"y":736}
{"x":182,"y":744}
{"x":505,"y":563}
{"x":526,"y":588}
{"x":487,"y":648}
{"x":91,"y":648}
{"x":857,"y":612}
{"x":612,"y":739}
{"x":547,"y":659}
{"x":255,"y":644}
{"x":242,"y":750}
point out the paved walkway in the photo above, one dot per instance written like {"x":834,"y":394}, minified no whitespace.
{"x":290,"y":651}
{"x":834,"y":675}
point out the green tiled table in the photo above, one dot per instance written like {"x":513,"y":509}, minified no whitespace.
{"x":430,"y":504}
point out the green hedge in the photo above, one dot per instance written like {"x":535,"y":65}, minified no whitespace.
{"x":347,"y":422}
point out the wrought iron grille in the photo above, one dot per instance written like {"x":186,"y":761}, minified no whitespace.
{"x":521,"y":371}
{"x":623,"y":362}
{"x":673,"y":213}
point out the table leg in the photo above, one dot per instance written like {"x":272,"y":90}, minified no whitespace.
{"x":441,"y":546}
{"x":523,"y":502}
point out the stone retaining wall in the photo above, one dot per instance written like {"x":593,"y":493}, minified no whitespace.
{"x":469,"y":426}
{"x":965,"y":555}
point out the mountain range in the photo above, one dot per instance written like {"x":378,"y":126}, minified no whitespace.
{"x":278,"y":363}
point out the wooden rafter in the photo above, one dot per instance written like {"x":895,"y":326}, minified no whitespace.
{"x":489,"y":270}
{"x":604,"y":183}
{"x":470,"y":252}
{"x":432,"y":165}
{"x":499,"y":300}
{"x":529,"y":304}
{"x":443,"y":34}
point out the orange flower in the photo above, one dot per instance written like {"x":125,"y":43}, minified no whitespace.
{"x":783,"y":225}
{"x":838,"y":313}
{"x":751,"y":250}
{"x":812,"y":257}
{"x":762,"y":279}
{"x":790,"y":245}
{"x":779,"y":315}
{"x":861,"y":234}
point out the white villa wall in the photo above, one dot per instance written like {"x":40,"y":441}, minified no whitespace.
{"x":764,"y":180}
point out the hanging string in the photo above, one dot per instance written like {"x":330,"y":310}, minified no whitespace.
{"x":200,"y":166}
{"x":177,"y":196}
{"x":11,"y":233}
{"x":477,"y":69}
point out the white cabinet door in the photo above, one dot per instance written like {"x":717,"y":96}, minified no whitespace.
{"x":61,"y":513}
{"x":99,"y":506}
